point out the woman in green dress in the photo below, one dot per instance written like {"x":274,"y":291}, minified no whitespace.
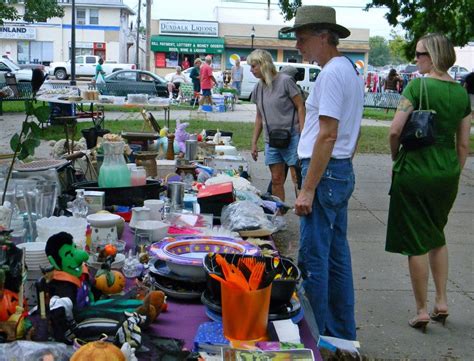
{"x":425,"y":180}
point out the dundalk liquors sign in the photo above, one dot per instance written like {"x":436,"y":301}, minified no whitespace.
{"x":189,"y":28}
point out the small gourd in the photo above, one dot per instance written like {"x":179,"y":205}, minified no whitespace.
{"x":109,"y":281}
{"x":98,"y":351}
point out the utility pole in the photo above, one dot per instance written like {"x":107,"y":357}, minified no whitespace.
{"x":148,"y":34}
{"x":73,"y":43}
{"x":137,"y":59}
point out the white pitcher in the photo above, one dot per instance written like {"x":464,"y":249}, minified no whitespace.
{"x":139,"y":214}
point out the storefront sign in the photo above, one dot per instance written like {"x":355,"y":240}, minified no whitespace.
{"x":189,"y":28}
{"x":17,"y":32}
{"x":185,"y":45}
{"x":286,"y":36}
{"x":84,"y":45}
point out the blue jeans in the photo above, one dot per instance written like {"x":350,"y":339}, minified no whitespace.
{"x":324,"y":255}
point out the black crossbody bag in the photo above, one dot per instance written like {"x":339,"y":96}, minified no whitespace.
{"x":278,"y":138}
{"x":419,"y":130}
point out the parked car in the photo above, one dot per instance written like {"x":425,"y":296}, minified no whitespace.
{"x":458,"y":72}
{"x":408,"y":69}
{"x":307,"y":76}
{"x":85,"y":66}
{"x":9,"y":66}
{"x":129,"y":78}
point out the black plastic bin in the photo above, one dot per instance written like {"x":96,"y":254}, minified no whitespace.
{"x":125,"y":196}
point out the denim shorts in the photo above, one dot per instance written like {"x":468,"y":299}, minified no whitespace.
{"x":206,"y":92}
{"x":288,"y":155}
{"x":237,"y":85}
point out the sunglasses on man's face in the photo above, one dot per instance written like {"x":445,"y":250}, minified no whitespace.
{"x":418,"y":54}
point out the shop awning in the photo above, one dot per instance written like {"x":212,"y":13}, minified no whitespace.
{"x":188,"y":45}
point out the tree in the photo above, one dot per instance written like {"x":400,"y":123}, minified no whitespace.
{"x":35,"y":10}
{"x":379,"y":53}
{"x":397,"y":46}
{"x":454,"y":18}
{"x":288,"y":8}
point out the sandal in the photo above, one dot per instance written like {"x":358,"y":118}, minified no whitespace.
{"x":418,"y":323}
{"x":439,"y":316}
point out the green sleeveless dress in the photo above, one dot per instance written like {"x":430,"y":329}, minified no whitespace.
{"x":425,"y":181}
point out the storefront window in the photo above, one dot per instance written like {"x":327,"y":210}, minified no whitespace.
{"x":292,"y":56}
{"x":171,"y":59}
{"x":35,"y":52}
{"x":23,"y":52}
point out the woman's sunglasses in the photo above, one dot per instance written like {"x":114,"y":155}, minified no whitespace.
{"x":418,"y":54}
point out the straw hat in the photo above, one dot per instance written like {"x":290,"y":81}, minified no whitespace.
{"x":322,"y":17}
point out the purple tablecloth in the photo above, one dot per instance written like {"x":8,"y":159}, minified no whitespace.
{"x":182,"y":319}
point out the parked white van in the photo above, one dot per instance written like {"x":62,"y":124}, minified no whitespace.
{"x":307,"y":74}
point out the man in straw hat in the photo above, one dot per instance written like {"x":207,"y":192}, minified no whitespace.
{"x":327,"y":144}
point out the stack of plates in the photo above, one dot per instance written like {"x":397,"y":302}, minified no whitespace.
{"x":35,"y":255}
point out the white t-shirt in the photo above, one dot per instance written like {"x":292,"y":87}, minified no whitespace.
{"x":337,"y":93}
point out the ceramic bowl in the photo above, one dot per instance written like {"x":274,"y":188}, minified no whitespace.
{"x":184,"y":255}
{"x":157,"y":229}
{"x":103,"y":219}
{"x":52,"y":225}
{"x":117,"y":264}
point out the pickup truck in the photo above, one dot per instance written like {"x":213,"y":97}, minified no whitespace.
{"x":85,"y":66}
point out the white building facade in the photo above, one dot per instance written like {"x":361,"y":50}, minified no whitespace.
{"x":102,"y":28}
{"x":225,"y":29}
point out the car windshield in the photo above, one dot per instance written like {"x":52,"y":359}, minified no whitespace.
{"x":12,"y":65}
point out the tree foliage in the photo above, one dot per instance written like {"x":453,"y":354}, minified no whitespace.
{"x":397,"y":46}
{"x":379,"y":53}
{"x":288,"y":8}
{"x":454,"y":18}
{"x":35,"y":10}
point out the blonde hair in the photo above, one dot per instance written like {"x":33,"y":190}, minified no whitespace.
{"x":197,"y":60}
{"x":264,"y":59}
{"x":441,"y":51}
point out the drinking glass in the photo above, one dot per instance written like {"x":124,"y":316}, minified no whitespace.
{"x":142,"y":238}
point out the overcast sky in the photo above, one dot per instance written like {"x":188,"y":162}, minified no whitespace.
{"x":349,"y":13}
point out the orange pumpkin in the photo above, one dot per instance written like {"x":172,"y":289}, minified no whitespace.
{"x":98,"y":351}
{"x":110,"y":281}
{"x":8,"y":303}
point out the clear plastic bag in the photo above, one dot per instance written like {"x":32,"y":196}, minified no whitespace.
{"x":245,"y":216}
{"x":29,"y":350}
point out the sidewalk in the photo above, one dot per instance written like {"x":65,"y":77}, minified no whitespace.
{"x":384,"y":299}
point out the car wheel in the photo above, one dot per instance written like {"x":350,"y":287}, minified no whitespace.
{"x":60,"y":74}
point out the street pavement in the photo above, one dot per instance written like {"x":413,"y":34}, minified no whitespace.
{"x":384,"y":299}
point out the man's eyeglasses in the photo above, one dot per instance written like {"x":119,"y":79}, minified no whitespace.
{"x":418,"y":54}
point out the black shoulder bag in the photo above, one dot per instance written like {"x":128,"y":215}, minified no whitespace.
{"x":419,"y":130}
{"x":278,"y":138}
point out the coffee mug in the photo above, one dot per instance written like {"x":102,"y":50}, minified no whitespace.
{"x":156,"y":208}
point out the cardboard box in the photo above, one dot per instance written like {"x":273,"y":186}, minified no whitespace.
{"x":95,"y":201}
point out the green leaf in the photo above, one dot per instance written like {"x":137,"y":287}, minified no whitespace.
{"x":110,"y":278}
{"x":30,"y":145}
{"x":25,"y":127}
{"x":15,"y":142}
{"x":35,"y":130}
{"x":29,"y":109}
{"x":23,"y":152}
{"x":42,"y":113}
